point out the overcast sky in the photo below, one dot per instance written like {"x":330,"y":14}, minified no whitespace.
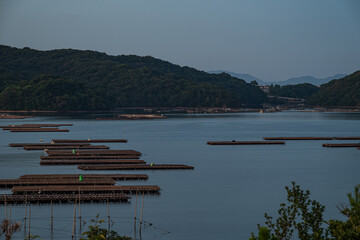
{"x":270,"y":39}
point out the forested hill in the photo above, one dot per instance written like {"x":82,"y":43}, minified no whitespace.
{"x":88,"y":80}
{"x":341,"y":92}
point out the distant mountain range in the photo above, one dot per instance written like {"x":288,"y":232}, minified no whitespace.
{"x":290,"y":81}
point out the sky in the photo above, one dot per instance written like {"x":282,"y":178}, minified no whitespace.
{"x":271,"y":39}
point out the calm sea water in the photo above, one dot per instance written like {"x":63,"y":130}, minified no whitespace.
{"x":231,"y":187}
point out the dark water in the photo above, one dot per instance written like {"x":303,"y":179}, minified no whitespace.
{"x":231,"y":187}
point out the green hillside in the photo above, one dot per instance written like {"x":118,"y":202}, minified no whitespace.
{"x":341,"y":92}
{"x":303,"y":90}
{"x":87,"y":80}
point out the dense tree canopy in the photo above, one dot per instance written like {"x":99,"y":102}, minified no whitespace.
{"x":341,"y":92}
{"x":100,"y":81}
{"x":303,"y":91}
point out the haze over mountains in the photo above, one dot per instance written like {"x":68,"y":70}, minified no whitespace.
{"x":290,"y":81}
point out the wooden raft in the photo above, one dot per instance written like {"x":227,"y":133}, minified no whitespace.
{"x":47,"y":144}
{"x":130,"y":189}
{"x":134,"y":167}
{"x":9,"y":183}
{"x":83,"y":162}
{"x":339,"y":145}
{"x":63,"y":198}
{"x":65,"y":147}
{"x":85,"y":176}
{"x":88,"y":140}
{"x":93,"y":152}
{"x":78,"y":157}
{"x":244,"y":142}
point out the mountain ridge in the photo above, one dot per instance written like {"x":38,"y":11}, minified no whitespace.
{"x":291,"y":81}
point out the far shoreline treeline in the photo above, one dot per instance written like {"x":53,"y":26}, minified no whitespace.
{"x":74,"y":80}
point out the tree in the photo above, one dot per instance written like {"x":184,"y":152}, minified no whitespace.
{"x":253,"y":82}
{"x":300,"y":214}
{"x":8,"y":228}
{"x":349,"y":229}
{"x":95,"y":232}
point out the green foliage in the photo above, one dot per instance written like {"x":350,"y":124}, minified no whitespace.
{"x":303,"y":91}
{"x":264,"y":234}
{"x":340,"y":92}
{"x":50,"y":93}
{"x":300,"y":214}
{"x":349,"y":229}
{"x":95,"y":232}
{"x":121,"y":81}
{"x":32,"y":237}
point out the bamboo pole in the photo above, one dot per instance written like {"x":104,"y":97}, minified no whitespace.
{"x":108,"y":215}
{"x":142,"y":208}
{"x":29,"y":221}
{"x":136,"y":204}
{"x":79,"y":205}
{"x":74,"y":221}
{"x":52,"y":216}
{"x":25,"y":207}
{"x":5,"y":208}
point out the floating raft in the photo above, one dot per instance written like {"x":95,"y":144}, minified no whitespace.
{"x":35,"y":125}
{"x":9,"y":183}
{"x":47,"y":144}
{"x":63,"y":198}
{"x":134,"y":167}
{"x":38,"y":130}
{"x":65,"y":147}
{"x":244,"y":142}
{"x":78,"y":157}
{"x":38,"y":190}
{"x":85,"y":176}
{"x":88,"y":140}
{"x":94,"y":152}
{"x":298,"y":138}
{"x":311,"y":138}
{"x":347,"y":138}
{"x":339,"y":145}
{"x":83,"y":162}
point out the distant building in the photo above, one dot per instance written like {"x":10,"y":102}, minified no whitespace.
{"x":265,"y":88}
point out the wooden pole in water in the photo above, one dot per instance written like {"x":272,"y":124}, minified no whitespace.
{"x":5,"y":208}
{"x":142,"y":208}
{"x":108,"y":215}
{"x":25,"y":213}
{"x":135,"y":204}
{"x":25,"y":207}
{"x":80,"y":210}
{"x":52,"y":216}
{"x":74,"y":221}
{"x":29,"y":221}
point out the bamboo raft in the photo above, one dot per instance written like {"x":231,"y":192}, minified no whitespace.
{"x":244,"y":142}
{"x":84,"y":162}
{"x":63,"y":198}
{"x":9,"y":183}
{"x":93,"y":152}
{"x":38,"y":130}
{"x":130,"y":189}
{"x":28,"y":148}
{"x":134,"y":167}
{"x":78,"y":157}
{"x":47,"y":144}
{"x":341,"y":145}
{"x":298,"y":138}
{"x":311,"y":138}
{"x":85,"y":176}
{"x":35,"y":125}
{"x":88,"y":140}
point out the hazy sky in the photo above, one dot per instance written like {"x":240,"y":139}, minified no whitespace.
{"x":270,"y":39}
